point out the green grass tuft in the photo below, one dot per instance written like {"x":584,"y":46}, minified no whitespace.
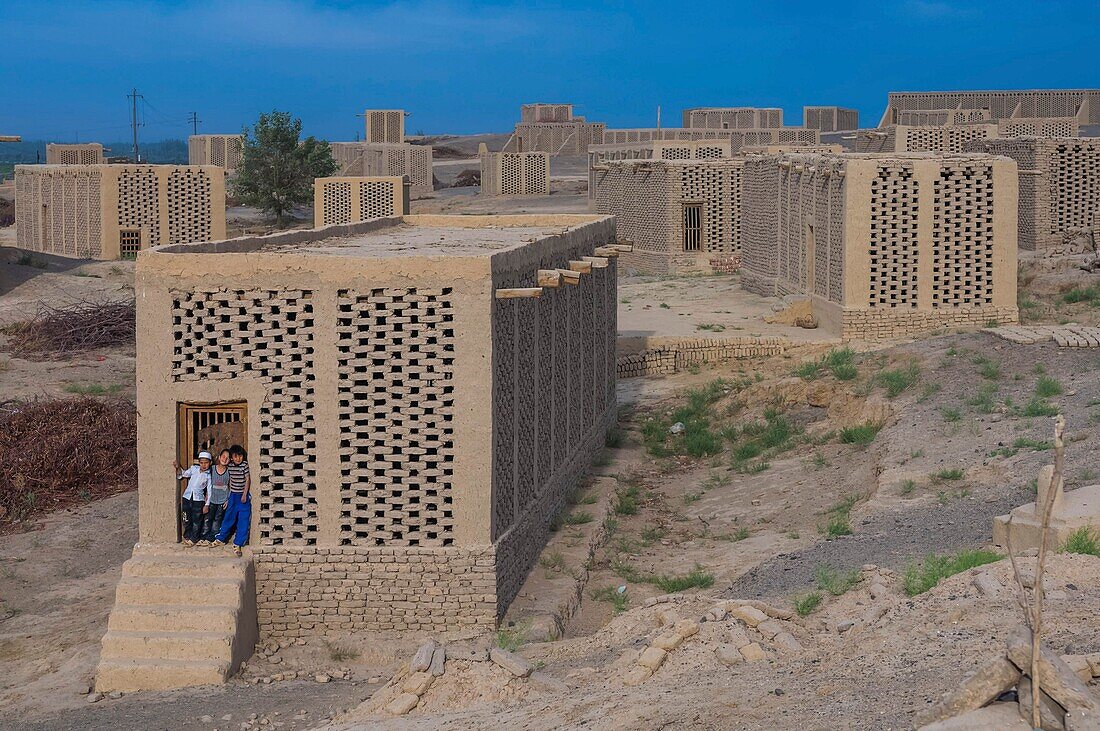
{"x":697,"y":578}
{"x":1046,"y":387}
{"x":898,"y":380}
{"x":612,"y":595}
{"x":1083,"y":540}
{"x":861,"y":435}
{"x":93,"y":389}
{"x":921,"y":577}
{"x":835,"y":582}
{"x":807,"y":603}
{"x":944,"y":475}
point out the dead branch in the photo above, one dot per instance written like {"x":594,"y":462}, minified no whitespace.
{"x":73,"y":328}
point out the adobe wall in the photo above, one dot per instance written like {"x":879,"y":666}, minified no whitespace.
{"x":223,"y":151}
{"x":384,"y":126}
{"x":941,"y":117}
{"x":1059,"y":201}
{"x":1002,"y":104}
{"x":386,"y":160}
{"x":546,"y":112}
{"x":74,"y":154}
{"x":354,"y":199}
{"x":370,"y":514}
{"x":556,"y":138}
{"x":733,"y":117}
{"x":885,"y":246}
{"x":78,"y":210}
{"x":830,"y":119}
{"x":953,"y":138}
{"x":647,"y":199}
{"x":515,"y":173}
{"x":738,"y":137}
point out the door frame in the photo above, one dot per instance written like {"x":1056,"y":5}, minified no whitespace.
{"x":186,"y":433}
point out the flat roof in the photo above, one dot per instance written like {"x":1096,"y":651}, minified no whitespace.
{"x":405,"y":236}
{"x":411,"y":240}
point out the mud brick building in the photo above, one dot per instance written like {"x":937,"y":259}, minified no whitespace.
{"x":1081,"y":103}
{"x":884,"y":245}
{"x":90,"y":153}
{"x":738,"y":137}
{"x":418,"y":397}
{"x":1039,"y":127}
{"x":682,"y":216}
{"x":384,"y":125}
{"x":941,"y":117}
{"x":1059,"y":190}
{"x":387,"y":160}
{"x":514,"y":173}
{"x":223,"y":151}
{"x":355,"y":199}
{"x":733,"y":117}
{"x":950,"y":138}
{"x":709,"y":149}
{"x":114,"y":211}
{"x":546,"y":113}
{"x":830,"y":119}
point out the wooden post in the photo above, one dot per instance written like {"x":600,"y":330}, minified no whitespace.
{"x":549,"y":278}
{"x":506,"y":294}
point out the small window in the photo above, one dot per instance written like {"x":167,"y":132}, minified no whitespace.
{"x":693,"y":227}
{"x":129,"y":243}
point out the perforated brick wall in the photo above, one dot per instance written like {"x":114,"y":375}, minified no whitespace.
{"x":1059,"y":209}
{"x":830,"y":119}
{"x":74,"y":154}
{"x":874,"y":239}
{"x":942,"y":117}
{"x":1064,"y":127}
{"x":384,"y":125}
{"x":223,"y":151}
{"x":1005,"y":104}
{"x":515,"y":173}
{"x":556,"y":138}
{"x":354,"y":199}
{"x":190,"y":214}
{"x":268,"y":335}
{"x":546,"y":112}
{"x":648,"y":199}
{"x":357,"y":159}
{"x":396,"y":367}
{"x":733,"y":117}
{"x":941,"y":139}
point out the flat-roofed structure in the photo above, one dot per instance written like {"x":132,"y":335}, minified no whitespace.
{"x":115,"y":211}
{"x":941,"y":117}
{"x":354,"y":199}
{"x":416,"y":413}
{"x":384,"y":125}
{"x":733,"y":117}
{"x":682,"y":216}
{"x":830,"y":119}
{"x":1059,"y":203}
{"x":86,"y":153}
{"x":886,"y":245}
{"x":1002,"y":104}
{"x":223,"y":151}
{"x":541,"y":112}
{"x":514,"y":173}
{"x":356,"y":159}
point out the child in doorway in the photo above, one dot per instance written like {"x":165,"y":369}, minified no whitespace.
{"x":219,"y":498}
{"x":238,"y":515}
{"x":196,"y":497}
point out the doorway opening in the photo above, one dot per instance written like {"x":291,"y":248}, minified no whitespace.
{"x":206,"y":426}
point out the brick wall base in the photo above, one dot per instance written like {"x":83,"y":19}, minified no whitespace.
{"x":891,"y":323}
{"x":310,"y":590}
{"x":670,"y":356}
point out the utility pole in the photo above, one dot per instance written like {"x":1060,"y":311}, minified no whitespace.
{"x":658,"y":116}
{"x":133,"y":95}
{"x":195,"y":122}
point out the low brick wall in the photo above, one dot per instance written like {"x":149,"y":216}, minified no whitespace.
{"x":725,"y":264}
{"x":891,"y":323}
{"x":657,"y":356}
{"x":308,"y":590}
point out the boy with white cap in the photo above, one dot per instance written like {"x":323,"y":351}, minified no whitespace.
{"x":196,"y":498}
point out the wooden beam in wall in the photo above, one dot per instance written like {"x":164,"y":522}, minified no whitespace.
{"x":597,"y":262}
{"x":583,"y":267}
{"x":569,"y":276}
{"x":549,"y":278}
{"x":605,"y":251}
{"x":516,"y":292}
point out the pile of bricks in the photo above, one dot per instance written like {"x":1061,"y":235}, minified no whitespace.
{"x":676,"y":355}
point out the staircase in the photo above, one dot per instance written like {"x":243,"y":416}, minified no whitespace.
{"x":182,"y":617}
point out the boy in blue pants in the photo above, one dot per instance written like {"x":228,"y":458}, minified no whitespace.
{"x":238,"y":514}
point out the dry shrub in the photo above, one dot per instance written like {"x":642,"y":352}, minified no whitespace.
{"x":73,"y":328}
{"x":59,"y":452}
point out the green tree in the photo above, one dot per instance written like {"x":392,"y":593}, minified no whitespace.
{"x":277,"y":168}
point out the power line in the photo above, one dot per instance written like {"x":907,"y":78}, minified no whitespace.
{"x":133,"y":95}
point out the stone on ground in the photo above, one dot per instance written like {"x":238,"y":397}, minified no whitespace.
{"x":728,"y":655}
{"x":402,"y":704}
{"x":997,"y":717}
{"x":511,"y":662}
{"x":652,"y":657}
{"x":423,"y":657}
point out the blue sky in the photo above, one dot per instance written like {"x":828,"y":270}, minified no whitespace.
{"x":465,"y":67}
